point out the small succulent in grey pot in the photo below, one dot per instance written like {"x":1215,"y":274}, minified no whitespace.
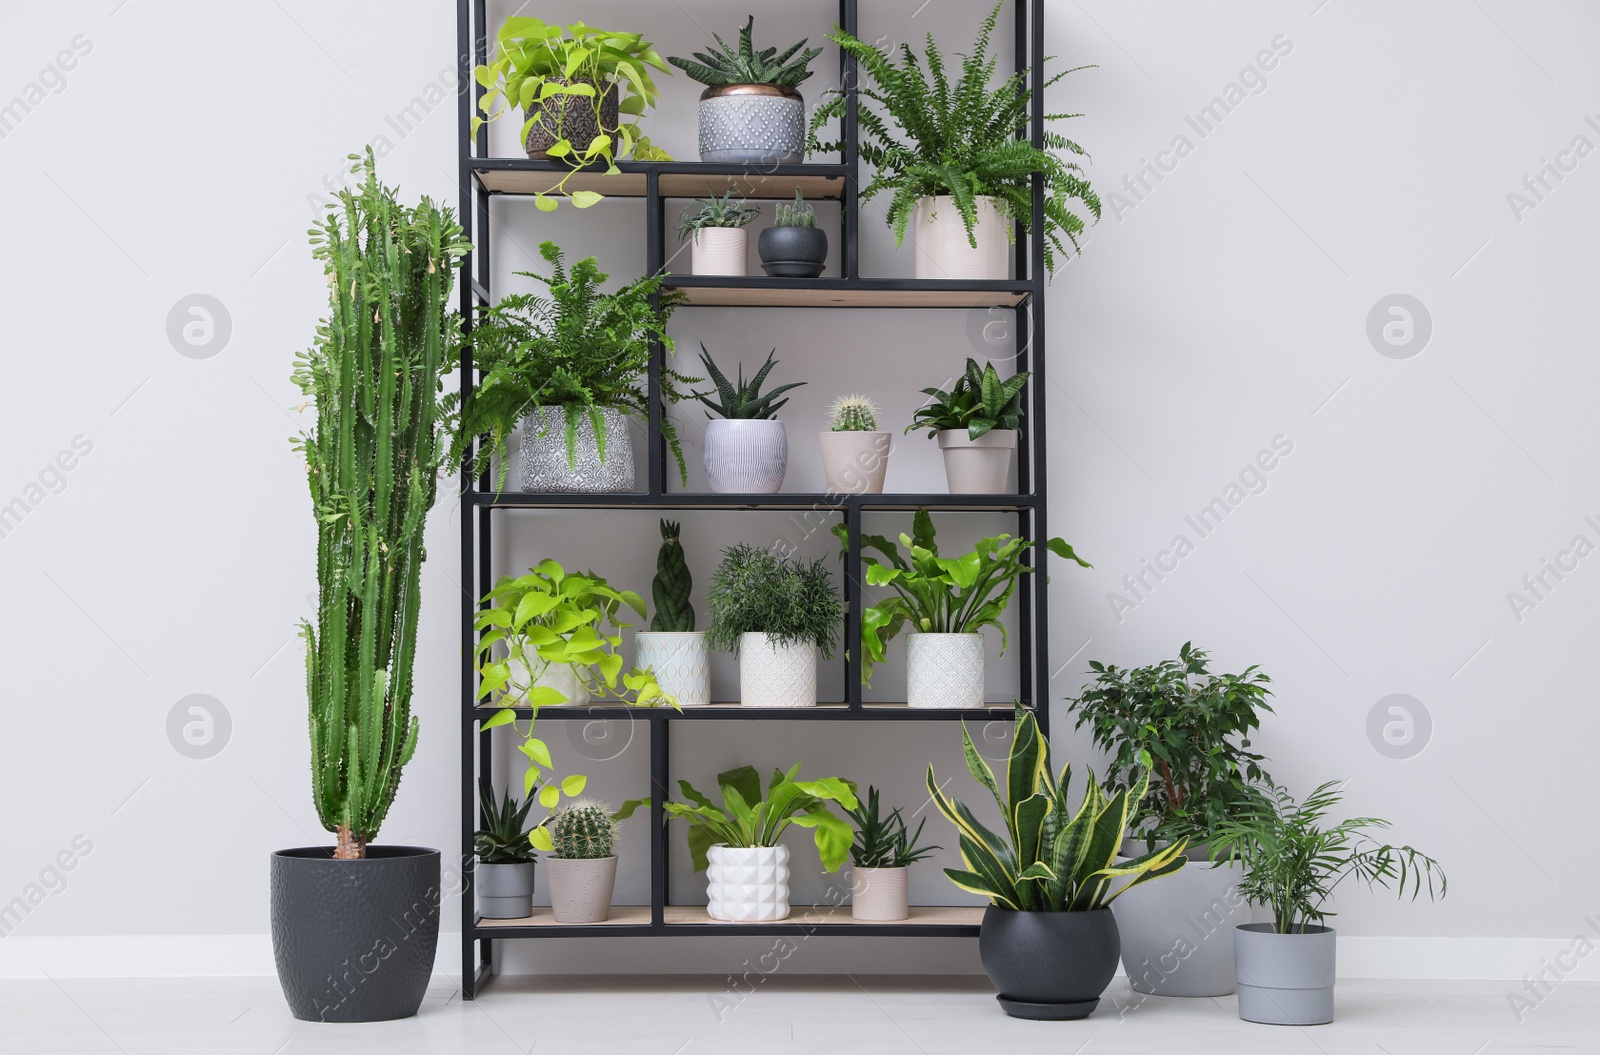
{"x":750,"y":112}
{"x":794,"y":247}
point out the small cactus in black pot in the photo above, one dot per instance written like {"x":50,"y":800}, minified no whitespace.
{"x":794,"y":247}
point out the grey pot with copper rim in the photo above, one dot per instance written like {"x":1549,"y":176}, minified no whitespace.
{"x":752,"y":124}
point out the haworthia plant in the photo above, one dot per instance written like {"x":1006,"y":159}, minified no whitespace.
{"x":374,"y":376}
{"x":670,"y":588}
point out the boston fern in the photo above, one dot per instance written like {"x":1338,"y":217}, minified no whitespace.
{"x":938,"y":138}
{"x":747,"y":65}
{"x":577,"y":348}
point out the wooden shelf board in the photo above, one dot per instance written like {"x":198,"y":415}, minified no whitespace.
{"x":758,"y":296}
{"x":921,"y":916}
{"x":621,"y":916}
{"x":672,"y":184}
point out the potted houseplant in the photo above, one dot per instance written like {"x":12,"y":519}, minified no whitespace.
{"x":793,"y":247}
{"x":504,"y":873}
{"x":582,"y":865}
{"x":1196,"y":726}
{"x":375,"y":377}
{"x":746,"y":447}
{"x":1293,"y":859}
{"x":750,"y":112}
{"x":672,"y":649}
{"x":717,"y":229}
{"x":581,"y":89}
{"x":567,"y":369}
{"x":736,"y":844}
{"x":1048,"y":940}
{"x":957,"y":159}
{"x":945,"y":601}
{"x":774,"y":614}
{"x":976,"y":425}
{"x":855,"y":454}
{"x":882,"y":854}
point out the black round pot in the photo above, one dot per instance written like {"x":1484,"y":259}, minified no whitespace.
{"x":793,"y":251}
{"x":1049,"y":965}
{"x":354,"y":940}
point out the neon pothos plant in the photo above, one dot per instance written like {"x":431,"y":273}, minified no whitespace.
{"x":1049,"y":859}
{"x":746,"y":819}
{"x":547,"y":617}
{"x":941,"y":595}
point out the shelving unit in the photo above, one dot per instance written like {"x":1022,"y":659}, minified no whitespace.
{"x":482,"y":177}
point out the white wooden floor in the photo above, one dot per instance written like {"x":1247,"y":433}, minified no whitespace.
{"x":871,"y":1015}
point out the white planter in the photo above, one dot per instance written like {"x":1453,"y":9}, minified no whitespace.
{"x":944,"y":670}
{"x":504,"y":891}
{"x":720,"y":251}
{"x":776,"y":675}
{"x":746,"y":457}
{"x":559,"y":676}
{"x":681,"y":663}
{"x":979,"y":466}
{"x":879,"y":894}
{"x":855,"y":463}
{"x":747,"y":884}
{"x":941,"y":241}
{"x":544,"y":454}
{"x":580,"y":890}
{"x":1177,"y":934}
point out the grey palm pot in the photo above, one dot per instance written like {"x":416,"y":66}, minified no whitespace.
{"x":545,"y":468}
{"x":1049,"y":965}
{"x":752,"y":124}
{"x":1285,"y":979}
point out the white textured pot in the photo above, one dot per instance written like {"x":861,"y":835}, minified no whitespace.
{"x":776,"y":675}
{"x":1285,"y":979}
{"x":504,"y":891}
{"x":580,"y":890}
{"x":747,"y":884}
{"x":941,"y":242}
{"x":944,"y":670}
{"x":855,"y":463}
{"x":545,"y":469}
{"x":720,"y":251}
{"x":979,"y":466}
{"x":1177,"y":933}
{"x":879,"y":894}
{"x":746,"y":457}
{"x":559,"y":676}
{"x":681,"y":663}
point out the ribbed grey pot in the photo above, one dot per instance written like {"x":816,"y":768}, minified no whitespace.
{"x":505,"y":891}
{"x":1285,"y":979}
{"x":1177,"y":935}
{"x":354,"y":941}
{"x":1049,"y":965}
{"x":580,"y":890}
{"x":545,"y":469}
{"x":745,"y":456}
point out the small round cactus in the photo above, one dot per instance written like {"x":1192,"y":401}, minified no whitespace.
{"x":854,"y":414}
{"x":583,"y":831}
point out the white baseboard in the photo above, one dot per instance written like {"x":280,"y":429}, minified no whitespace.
{"x":242,"y":955}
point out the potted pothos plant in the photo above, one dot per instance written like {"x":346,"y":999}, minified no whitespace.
{"x":746,"y":446}
{"x":581,"y":89}
{"x":374,"y":377}
{"x":1195,"y":726}
{"x":975,"y":424}
{"x":672,"y":648}
{"x":956,"y":157}
{"x":881,"y":857}
{"x":775,"y":614}
{"x":944,"y":602}
{"x":1294,"y":857}
{"x":717,"y":230}
{"x":567,"y":368}
{"x":1048,"y":940}
{"x":736,"y":843}
{"x":751,"y":112}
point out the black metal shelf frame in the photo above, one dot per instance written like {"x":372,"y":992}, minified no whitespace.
{"x":476,"y":170}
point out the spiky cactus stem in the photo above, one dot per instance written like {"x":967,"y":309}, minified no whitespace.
{"x":670,"y":588}
{"x":374,"y":376}
{"x":584,"y":831}
{"x":855,"y":414}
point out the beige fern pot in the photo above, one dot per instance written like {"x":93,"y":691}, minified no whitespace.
{"x":855,"y":463}
{"x":681,"y":662}
{"x":942,"y":248}
{"x":944,"y":670}
{"x":879,"y":895}
{"x":774,"y":675}
{"x":580,"y":889}
{"x":720,"y":251}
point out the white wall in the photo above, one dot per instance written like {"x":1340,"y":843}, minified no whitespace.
{"x":1213,"y":311}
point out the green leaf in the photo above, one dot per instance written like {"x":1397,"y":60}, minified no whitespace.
{"x":540,"y":839}
{"x":582,"y":199}
{"x":574,"y":784}
{"x":502,"y":717}
{"x":549,"y":795}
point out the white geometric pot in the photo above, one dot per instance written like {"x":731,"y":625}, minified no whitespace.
{"x":746,"y":456}
{"x":855,"y":463}
{"x":944,"y":670}
{"x":941,"y":241}
{"x":776,"y":675}
{"x":879,"y":894}
{"x":681,"y":663}
{"x":747,"y":884}
{"x":580,"y":890}
{"x":1177,"y":935}
{"x":979,"y":466}
{"x":544,"y":454}
{"x":720,"y":251}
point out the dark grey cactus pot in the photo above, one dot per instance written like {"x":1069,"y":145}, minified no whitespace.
{"x":793,"y":252}
{"x":1049,"y":965}
{"x":354,"y":940}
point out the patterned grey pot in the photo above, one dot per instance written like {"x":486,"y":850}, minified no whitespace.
{"x":752,"y":124}
{"x":573,"y":118}
{"x":944,"y":670}
{"x":544,"y":454}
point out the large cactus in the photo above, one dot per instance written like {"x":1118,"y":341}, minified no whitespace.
{"x":584,"y":831}
{"x":670,"y":588}
{"x":374,"y":375}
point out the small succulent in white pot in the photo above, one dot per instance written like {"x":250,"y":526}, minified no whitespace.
{"x":717,"y":229}
{"x":855,"y":453}
{"x":882,"y":855}
{"x":746,"y":447}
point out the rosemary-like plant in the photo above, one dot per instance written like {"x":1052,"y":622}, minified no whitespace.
{"x":755,"y":592}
